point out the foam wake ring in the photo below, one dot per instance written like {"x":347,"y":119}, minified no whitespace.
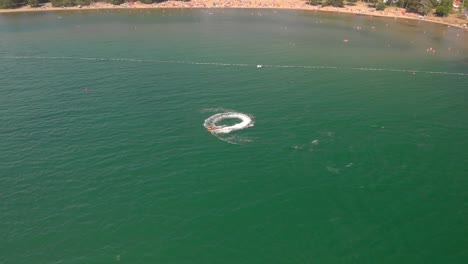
{"x":212,"y":121}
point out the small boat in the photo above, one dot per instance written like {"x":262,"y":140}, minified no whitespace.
{"x":259,"y":66}
{"x":211,"y":128}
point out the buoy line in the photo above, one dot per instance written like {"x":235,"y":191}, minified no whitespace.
{"x":323,"y":67}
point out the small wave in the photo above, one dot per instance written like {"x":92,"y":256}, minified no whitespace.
{"x":234,"y":139}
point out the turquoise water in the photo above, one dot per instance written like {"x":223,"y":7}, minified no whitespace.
{"x":358,"y":153}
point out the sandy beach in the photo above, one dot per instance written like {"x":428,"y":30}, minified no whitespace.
{"x":360,"y":8}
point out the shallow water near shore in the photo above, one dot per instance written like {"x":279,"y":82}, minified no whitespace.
{"x":358,"y":153}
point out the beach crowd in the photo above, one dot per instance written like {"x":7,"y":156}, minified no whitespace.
{"x":359,"y":8}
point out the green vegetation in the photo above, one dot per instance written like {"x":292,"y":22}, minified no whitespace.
{"x":60,"y":3}
{"x":442,"y":11}
{"x":314,"y":2}
{"x":115,"y":2}
{"x":33,"y":3}
{"x":423,"y":7}
{"x":443,"y":8}
{"x":335,"y":3}
{"x":380,"y":6}
{"x":82,"y":2}
{"x":9,"y":3}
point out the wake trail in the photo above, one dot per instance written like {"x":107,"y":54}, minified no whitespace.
{"x":211,"y":122}
{"x":222,"y":132}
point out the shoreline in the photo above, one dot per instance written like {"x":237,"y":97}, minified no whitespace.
{"x":359,"y":9}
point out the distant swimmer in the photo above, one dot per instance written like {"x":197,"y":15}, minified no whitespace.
{"x":86,"y":89}
{"x":345,"y":40}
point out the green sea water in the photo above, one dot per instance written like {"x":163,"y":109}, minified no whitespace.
{"x":358,"y":153}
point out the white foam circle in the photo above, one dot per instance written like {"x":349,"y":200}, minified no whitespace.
{"x":211,"y":122}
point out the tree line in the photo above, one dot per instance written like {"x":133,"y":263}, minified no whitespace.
{"x":422,"y":7}
{"x":62,"y":3}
